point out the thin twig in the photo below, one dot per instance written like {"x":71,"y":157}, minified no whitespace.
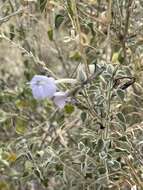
{"x":78,"y":28}
{"x":61,"y":58}
{"x":30,"y":54}
{"x":127,"y":19}
{"x":6,"y":18}
{"x":133,"y":172}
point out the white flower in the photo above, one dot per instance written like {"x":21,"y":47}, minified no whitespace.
{"x":43,"y":87}
{"x":60,"y":99}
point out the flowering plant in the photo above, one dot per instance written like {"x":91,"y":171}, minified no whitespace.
{"x":81,"y":127}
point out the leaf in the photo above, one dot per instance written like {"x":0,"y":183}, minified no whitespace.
{"x":21,"y":104}
{"x":110,"y":69}
{"x":11,"y":157}
{"x":100,"y":145}
{"x":123,"y":126}
{"x":120,"y":94}
{"x":83,"y":116}
{"x":21,"y":126}
{"x":81,"y":75}
{"x":114,"y":165}
{"x":121,"y":58}
{"x":81,"y":146}
{"x":38,"y":173}
{"x":58,"y":20}
{"x":91,"y":26}
{"x":4,"y":162}
{"x":102,"y":170}
{"x":50,"y":34}
{"x":107,"y":76}
{"x":3,"y":116}
{"x":69,"y":108}
{"x":28,"y":166}
{"x":76,"y":56}
{"x":124,"y":145}
{"x":121,"y":117}
{"x":123,"y":138}
{"x":2,"y":159}
{"x":115,"y":57}
{"x":100,"y":99}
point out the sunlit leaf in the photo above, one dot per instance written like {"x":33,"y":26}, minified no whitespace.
{"x":115,"y":58}
{"x":11,"y":157}
{"x":3,"y":116}
{"x":69,"y":108}
{"x":50,"y":34}
{"x":21,"y":126}
{"x":76,"y":56}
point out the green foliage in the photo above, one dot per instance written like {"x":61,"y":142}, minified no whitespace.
{"x":50,"y":34}
{"x":69,"y":108}
{"x":58,"y":20}
{"x":21,"y":126}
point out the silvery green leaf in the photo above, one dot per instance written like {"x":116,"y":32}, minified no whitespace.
{"x":3,"y":116}
{"x":121,"y":94}
{"x":100,"y":145}
{"x":114,"y":165}
{"x":121,"y":117}
{"x":81,"y":75}
{"x":110,"y":69}
{"x":83,"y":116}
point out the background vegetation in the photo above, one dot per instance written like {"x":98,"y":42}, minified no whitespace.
{"x":96,"y":141}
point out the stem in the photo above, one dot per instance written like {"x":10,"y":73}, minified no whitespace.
{"x":74,"y":6}
{"x":6,"y":18}
{"x":109,"y":90}
{"x":133,"y":172}
{"x":30,"y":54}
{"x":61,"y":58}
{"x":108,"y":114}
{"x":127,"y":19}
{"x":67,"y":80}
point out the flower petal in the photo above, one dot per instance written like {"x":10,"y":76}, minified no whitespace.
{"x":37,"y":92}
{"x":43,"y":87}
{"x":60,"y":99}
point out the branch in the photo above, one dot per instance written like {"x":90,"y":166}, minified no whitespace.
{"x":6,"y":18}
